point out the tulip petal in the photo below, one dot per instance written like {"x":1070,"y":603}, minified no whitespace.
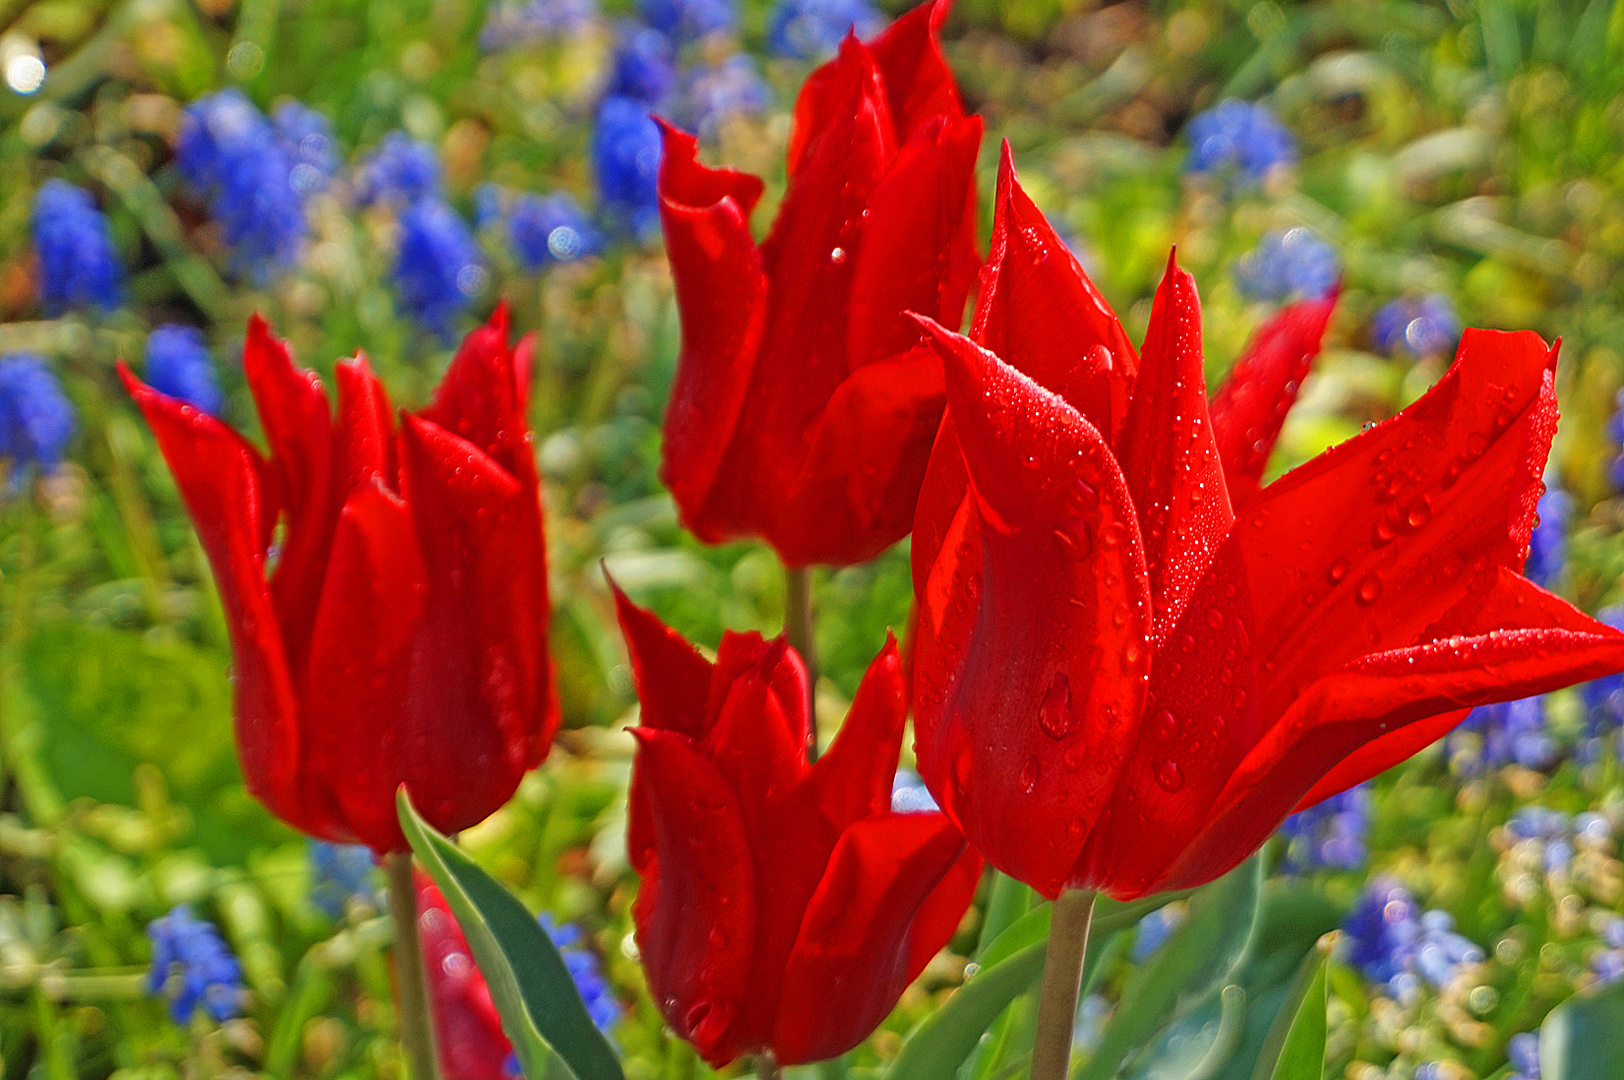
{"x":295,"y":414}
{"x":480,"y":399}
{"x":1383,"y":692}
{"x":1369,"y":545}
{"x":482,"y":644}
{"x":366,"y":438}
{"x":825,"y":97}
{"x":1250,"y":409}
{"x":685,"y":182}
{"x":673,"y":680}
{"x":1047,"y":546}
{"x":696,"y":914}
{"x":753,"y":745}
{"x":915,"y":254}
{"x":361,"y":653}
{"x":721,"y":297}
{"x":918,"y":82}
{"x":940,"y":494}
{"x":1040,"y":314}
{"x":943,"y":911}
{"x":853,"y":778}
{"x":1168,"y":456}
{"x":852,"y":957}
{"x":224,"y":482}
{"x":857,"y":490}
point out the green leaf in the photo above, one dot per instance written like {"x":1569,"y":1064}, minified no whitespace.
{"x":1200,"y":957}
{"x":1580,"y":1038}
{"x":542,"y":1012}
{"x":1295,"y":1048}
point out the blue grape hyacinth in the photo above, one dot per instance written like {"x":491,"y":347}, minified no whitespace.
{"x":710,"y":96}
{"x":512,"y":24}
{"x":439,"y":269}
{"x":1604,"y":697}
{"x":586,"y":971}
{"x":812,"y":29}
{"x":193,"y":967}
{"x":1240,"y":137}
{"x":1548,"y":543}
{"x":178,"y":364}
{"x":399,"y":172}
{"x":690,"y":20}
{"x":1329,"y":834}
{"x":78,"y":266}
{"x":1501,"y":734}
{"x":252,"y":175}
{"x":1293,"y":264}
{"x":548,"y":229}
{"x":36,"y":418}
{"x":1419,"y":327}
{"x":341,"y":873}
{"x":1522,"y":1052}
{"x":626,"y":160}
{"x":315,"y":151}
{"x":1381,"y":933}
{"x":644,"y":68}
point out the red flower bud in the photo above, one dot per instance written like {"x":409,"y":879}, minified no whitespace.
{"x":1123,"y":682}
{"x":805,"y":402}
{"x":783,"y":906}
{"x":401,"y":635}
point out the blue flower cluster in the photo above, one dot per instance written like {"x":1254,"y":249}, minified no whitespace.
{"x":512,"y":24}
{"x":709,"y":95}
{"x":542,"y":229}
{"x":193,"y":966}
{"x":255,"y":174}
{"x":178,"y":364}
{"x":1420,"y":327}
{"x":1522,"y":1051}
{"x":1615,"y":432}
{"x":399,"y":172}
{"x":78,"y":266}
{"x":36,"y":419}
{"x":1548,"y":544}
{"x":1242,"y":138}
{"x":909,"y":795}
{"x":439,"y":268}
{"x":1554,"y":835}
{"x":1604,"y":697}
{"x":1290,"y":264}
{"x":1392,"y":943}
{"x":813,"y":29}
{"x":1501,"y":734}
{"x":339,"y":874}
{"x":1608,"y":964}
{"x":689,"y":20}
{"x":584,"y":968}
{"x":1330,"y":834}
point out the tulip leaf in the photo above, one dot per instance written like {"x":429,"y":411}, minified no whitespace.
{"x":542,"y":1012}
{"x":1580,"y":1038}
{"x":1200,"y":957}
{"x":1295,"y":1047}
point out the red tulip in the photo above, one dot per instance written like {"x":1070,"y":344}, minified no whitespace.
{"x":467,"y":1028}
{"x":395,"y":632}
{"x":783,"y":906}
{"x":1121,"y":684}
{"x":805,"y":402}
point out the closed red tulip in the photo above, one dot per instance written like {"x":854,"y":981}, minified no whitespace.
{"x":385,"y":587}
{"x":1122,"y":681}
{"x":783,"y":906}
{"x":805,"y":403}
{"x":467,"y":1028}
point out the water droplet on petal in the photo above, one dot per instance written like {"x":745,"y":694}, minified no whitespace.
{"x":1337,"y":571}
{"x":1369,"y":589}
{"x":1165,"y":725}
{"x":1215,"y":618}
{"x":1029,"y":775}
{"x":1169,"y":776}
{"x":838,"y":256}
{"x":1054,"y":715}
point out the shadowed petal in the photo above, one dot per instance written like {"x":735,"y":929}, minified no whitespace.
{"x":853,"y":778}
{"x":366,"y":436}
{"x":918,"y":83}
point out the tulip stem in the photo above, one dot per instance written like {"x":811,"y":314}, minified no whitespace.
{"x":798,"y":628}
{"x":411,"y":980}
{"x":767,"y":1067}
{"x":1062,"y":977}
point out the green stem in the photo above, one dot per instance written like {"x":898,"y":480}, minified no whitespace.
{"x":411,"y":979}
{"x":1062,"y":976}
{"x":798,"y":628}
{"x":767,"y":1067}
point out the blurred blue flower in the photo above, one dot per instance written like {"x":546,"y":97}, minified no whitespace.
{"x":77,"y":264}
{"x":1154,"y":930}
{"x":1420,"y":327}
{"x":513,"y":23}
{"x":1522,"y":1051}
{"x":1380,"y":936}
{"x":547,"y":229}
{"x":584,"y":968}
{"x":710,"y":96}
{"x":1241,"y":135}
{"x":439,"y":268}
{"x":1608,"y":965}
{"x":909,"y":795}
{"x":1615,"y":432}
{"x":192,"y":966}
{"x":644,"y":68}
{"x":315,"y":151}
{"x":178,"y":364}
{"x":1440,"y":952}
{"x":1293,"y":263}
{"x":813,"y":29}
{"x":36,"y":419}
{"x":1604,"y":697}
{"x":399,"y":172}
{"x":626,"y":161}
{"x":689,"y":20}
{"x":1504,"y":733}
{"x":249,"y":172}
{"x":1330,"y":834}
{"x":340,"y":873}
{"x":1548,"y":544}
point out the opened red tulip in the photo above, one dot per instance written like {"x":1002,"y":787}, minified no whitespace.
{"x":1120,"y":682}
{"x":386,"y":587}
{"x":805,"y":402}
{"x":783,"y":906}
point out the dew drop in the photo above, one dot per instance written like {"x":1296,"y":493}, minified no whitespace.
{"x":1420,"y":513}
{"x":1337,"y":571}
{"x":1072,"y":759}
{"x":1119,"y":617}
{"x":1238,"y":698}
{"x":838,"y":256}
{"x":1187,"y":643}
{"x":1165,"y":725}
{"x":1054,"y":715}
{"x":1369,"y":589}
{"x":1074,"y":537}
{"x":1029,"y":775}
{"x":1215,"y":618}
{"x":1112,"y":534}
{"x":1169,"y":776}
{"x":1085,"y":494}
